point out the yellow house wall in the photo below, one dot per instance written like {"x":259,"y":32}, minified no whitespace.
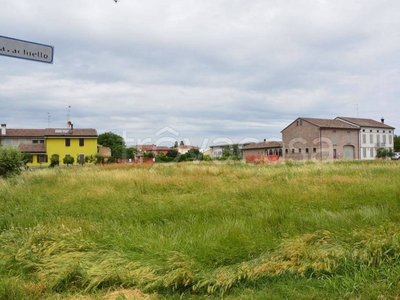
{"x":57,"y":146}
{"x":34,"y":162}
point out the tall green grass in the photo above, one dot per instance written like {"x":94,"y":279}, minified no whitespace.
{"x":191,"y":231}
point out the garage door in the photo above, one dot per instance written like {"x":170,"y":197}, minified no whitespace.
{"x":348,"y":152}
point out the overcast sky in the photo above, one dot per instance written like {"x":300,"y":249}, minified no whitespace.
{"x":201,"y":71}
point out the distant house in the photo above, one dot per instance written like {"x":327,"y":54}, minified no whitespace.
{"x":153,"y":148}
{"x":262,"y":149}
{"x":312,"y":138}
{"x":217,"y":150}
{"x":42,"y":144}
{"x":104,"y":151}
{"x":182,"y":149}
{"x":208,"y":152}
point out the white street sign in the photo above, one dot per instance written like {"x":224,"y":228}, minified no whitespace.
{"x":26,"y":50}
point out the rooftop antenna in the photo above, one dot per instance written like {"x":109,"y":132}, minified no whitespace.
{"x":356,"y":104}
{"x":48,"y":120}
{"x":69,"y":107}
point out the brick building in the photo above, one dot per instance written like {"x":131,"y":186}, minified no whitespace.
{"x":311,"y":138}
{"x":263,"y":149}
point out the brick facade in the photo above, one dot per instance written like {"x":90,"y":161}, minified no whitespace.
{"x":308,"y":138}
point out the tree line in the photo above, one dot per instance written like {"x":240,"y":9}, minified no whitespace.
{"x":12,"y":161}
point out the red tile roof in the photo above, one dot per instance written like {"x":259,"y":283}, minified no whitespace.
{"x":85,"y":132}
{"x":152,"y":148}
{"x":327,"y":123}
{"x":187,"y":147}
{"x":263,"y":145}
{"x":41,"y":133}
{"x":365,"y":122}
{"x":32,"y":148}
{"x":34,"y":133}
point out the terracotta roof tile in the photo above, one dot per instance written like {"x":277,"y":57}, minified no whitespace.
{"x":70,"y":132}
{"x":41,"y":133}
{"x":328,"y":123}
{"x":32,"y":148}
{"x":263,"y":145}
{"x":152,"y":148}
{"x":187,"y":147}
{"x":24,"y":133}
{"x":365,"y":122}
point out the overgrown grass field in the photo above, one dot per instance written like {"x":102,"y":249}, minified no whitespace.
{"x":202,"y":231}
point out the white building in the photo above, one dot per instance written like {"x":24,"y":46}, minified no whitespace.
{"x":373,"y":135}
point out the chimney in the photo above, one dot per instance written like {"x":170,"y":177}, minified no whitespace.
{"x":265,"y":140}
{"x":3,"y":129}
{"x":382,"y":120}
{"x":72,"y":126}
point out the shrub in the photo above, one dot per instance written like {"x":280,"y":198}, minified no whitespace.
{"x":194,"y":154}
{"x":207,"y":158}
{"x":173,"y":153}
{"x":94,"y":159}
{"x":80,"y":160}
{"x":383,"y":153}
{"x":54,"y":161}
{"x":149,"y":155}
{"x":11,"y":161}
{"x":68,"y":160}
{"x":26,"y":158}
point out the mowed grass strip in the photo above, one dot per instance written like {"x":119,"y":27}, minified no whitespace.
{"x":202,"y":229}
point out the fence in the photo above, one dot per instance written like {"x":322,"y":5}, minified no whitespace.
{"x":140,"y":160}
{"x":263,"y":159}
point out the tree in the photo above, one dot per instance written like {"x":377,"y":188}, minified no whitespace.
{"x":384,"y":153}
{"x":11,"y":161}
{"x":172,"y":153}
{"x":397,"y":143}
{"x":149,"y":155}
{"x":130,"y":152}
{"x":194,"y":154}
{"x":182,"y":143}
{"x":176,"y":144}
{"x":236,"y":153}
{"x":115,"y":142}
{"x":68,"y":160}
{"x":54,"y":161}
{"x":231,"y":152}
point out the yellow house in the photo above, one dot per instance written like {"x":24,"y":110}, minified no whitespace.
{"x":43,"y":144}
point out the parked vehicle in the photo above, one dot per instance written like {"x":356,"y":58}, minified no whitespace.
{"x":396,"y":156}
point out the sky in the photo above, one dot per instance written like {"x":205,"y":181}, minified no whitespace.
{"x":203,"y":72}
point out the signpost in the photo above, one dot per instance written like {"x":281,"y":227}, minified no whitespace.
{"x":26,"y":50}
